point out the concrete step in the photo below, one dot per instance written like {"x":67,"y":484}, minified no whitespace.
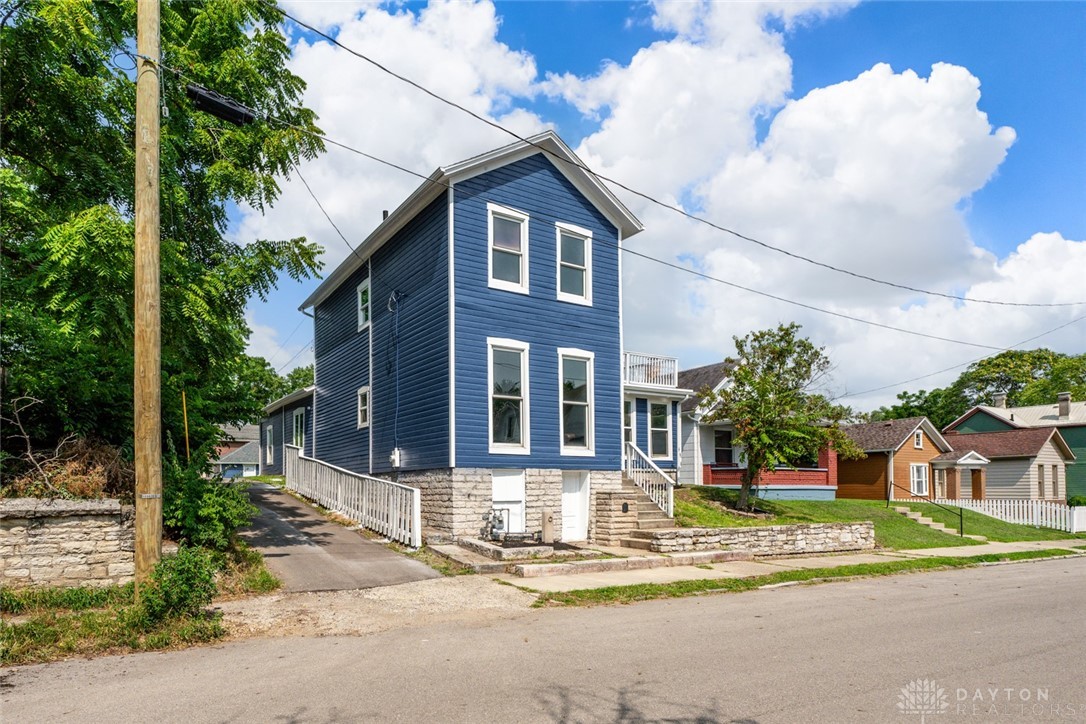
{"x":644,"y":544}
{"x":655,"y":524}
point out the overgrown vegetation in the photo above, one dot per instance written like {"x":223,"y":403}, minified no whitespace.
{"x":202,"y":510}
{"x":51,"y":623}
{"x":704,"y":506}
{"x":681,"y":589}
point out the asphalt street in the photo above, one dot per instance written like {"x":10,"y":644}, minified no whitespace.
{"x":1001,"y":643}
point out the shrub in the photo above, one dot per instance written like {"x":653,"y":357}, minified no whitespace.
{"x":180,"y":585}
{"x":76,"y":468}
{"x":202,"y":510}
{"x":1077,"y":500}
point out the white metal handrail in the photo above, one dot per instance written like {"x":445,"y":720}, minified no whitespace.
{"x":639,"y":468}
{"x":650,"y":369}
{"x":391,"y":509}
{"x":1040,"y":513}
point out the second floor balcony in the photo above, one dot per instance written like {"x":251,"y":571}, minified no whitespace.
{"x":650,"y":370}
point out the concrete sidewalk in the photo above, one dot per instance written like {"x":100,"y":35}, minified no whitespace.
{"x":766,"y":566}
{"x":308,"y":553}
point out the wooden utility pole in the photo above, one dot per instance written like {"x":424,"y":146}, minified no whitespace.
{"x":148,"y":344}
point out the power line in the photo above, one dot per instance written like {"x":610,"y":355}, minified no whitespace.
{"x":648,"y":197}
{"x":963,"y":364}
{"x":321,"y":207}
{"x":290,"y":336}
{"x":377,"y":159}
{"x":308,"y":345}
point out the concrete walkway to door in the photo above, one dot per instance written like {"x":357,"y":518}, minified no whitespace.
{"x":308,"y":553}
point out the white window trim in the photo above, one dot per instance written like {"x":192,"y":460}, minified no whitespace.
{"x":300,"y":412}
{"x":648,"y":421}
{"x":586,"y":235}
{"x":633,"y":421}
{"x":918,"y":440}
{"x":913,"y":478}
{"x":590,"y":432}
{"x":502,"y":448}
{"x":358,"y":407}
{"x":369,"y":304}
{"x":269,"y":444}
{"x":491,"y":210}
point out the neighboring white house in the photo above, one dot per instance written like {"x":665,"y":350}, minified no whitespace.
{"x":1025,"y":464}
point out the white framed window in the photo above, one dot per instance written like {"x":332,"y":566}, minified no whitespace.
{"x":507,"y":242}
{"x":918,"y":440}
{"x":629,"y":429}
{"x":659,"y":430}
{"x":574,"y":264}
{"x":298,"y":419}
{"x":363,"y":296}
{"x":576,"y":393}
{"x":363,"y":407}
{"x":269,"y":444}
{"x":507,"y":385}
{"x":918,"y":479}
{"x":722,"y":447}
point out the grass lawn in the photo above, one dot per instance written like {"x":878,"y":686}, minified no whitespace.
{"x":700,"y":507}
{"x":276,"y":480}
{"x":989,"y":527}
{"x":680,"y":589}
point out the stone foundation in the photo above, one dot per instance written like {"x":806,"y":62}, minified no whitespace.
{"x":777,"y":540}
{"x":66,"y":543}
{"x":455,"y":502}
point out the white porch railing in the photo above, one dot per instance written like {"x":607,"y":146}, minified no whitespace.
{"x":650,"y":369}
{"x":649,"y":477}
{"x":388,"y":508}
{"x":1040,"y":513}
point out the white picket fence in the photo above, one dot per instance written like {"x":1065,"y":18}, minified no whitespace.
{"x":650,"y":478}
{"x":388,"y":508}
{"x":1040,"y":513}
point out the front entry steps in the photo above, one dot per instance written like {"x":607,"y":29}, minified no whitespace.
{"x":649,"y":515}
{"x":919,"y":518}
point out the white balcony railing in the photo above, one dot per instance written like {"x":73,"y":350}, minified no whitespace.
{"x":650,"y":369}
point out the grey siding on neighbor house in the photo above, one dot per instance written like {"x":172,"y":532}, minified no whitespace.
{"x":534,"y":186}
{"x":690,"y":469}
{"x":411,"y":353}
{"x":342,"y":359}
{"x":1049,"y":456}
{"x":1009,"y":478}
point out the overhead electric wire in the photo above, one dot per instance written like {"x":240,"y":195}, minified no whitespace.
{"x":321,"y":207}
{"x":963,"y":364}
{"x":308,"y":345}
{"x":648,"y":197}
{"x":290,"y":336}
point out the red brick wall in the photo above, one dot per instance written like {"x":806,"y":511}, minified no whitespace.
{"x":784,"y":476}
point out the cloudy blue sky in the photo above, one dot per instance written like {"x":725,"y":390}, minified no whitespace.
{"x":937,"y":145}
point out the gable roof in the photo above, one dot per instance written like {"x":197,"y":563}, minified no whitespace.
{"x":240,"y":433}
{"x":437,"y":183}
{"x":1023,"y":443}
{"x":889,"y":435}
{"x":1032,"y":416}
{"x":248,"y":453}
{"x":698,"y":377}
{"x":966,"y":457}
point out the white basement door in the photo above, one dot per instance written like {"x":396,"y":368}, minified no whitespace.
{"x":574,"y":505}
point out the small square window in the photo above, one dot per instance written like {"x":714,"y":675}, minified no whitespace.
{"x":363,"y":407}
{"x":507,"y":231}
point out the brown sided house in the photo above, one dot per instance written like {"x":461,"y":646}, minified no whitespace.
{"x":1029,"y":463}
{"x":898,"y":462}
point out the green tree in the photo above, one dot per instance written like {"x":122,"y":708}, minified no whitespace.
{"x":942,"y":406}
{"x":299,"y":378}
{"x":776,"y":417}
{"x":66,"y":177}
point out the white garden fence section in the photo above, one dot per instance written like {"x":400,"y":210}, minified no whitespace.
{"x":388,"y":508}
{"x":1039,"y":513}
{"x":649,"y":477}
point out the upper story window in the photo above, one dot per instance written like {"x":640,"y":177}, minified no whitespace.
{"x":363,"y":407}
{"x":659,"y":430}
{"x":574,"y":264}
{"x":507,"y":231}
{"x":299,"y":427}
{"x":575,"y":368}
{"x":918,"y":440}
{"x":363,"y":305}
{"x":508,"y":403}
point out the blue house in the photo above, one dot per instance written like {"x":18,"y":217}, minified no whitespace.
{"x":287,"y":421}
{"x":472,"y":347}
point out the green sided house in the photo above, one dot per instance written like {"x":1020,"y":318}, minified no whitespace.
{"x":1068,"y":416}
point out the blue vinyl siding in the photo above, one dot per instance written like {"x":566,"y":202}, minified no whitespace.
{"x":276,"y":467}
{"x":282,"y":422}
{"x":414,"y":265}
{"x":534,"y":186}
{"x":288,"y":420}
{"x":341,"y":356}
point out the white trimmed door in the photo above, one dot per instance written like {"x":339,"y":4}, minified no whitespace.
{"x":574,"y":505}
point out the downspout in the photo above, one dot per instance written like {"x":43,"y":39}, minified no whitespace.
{"x":313,"y":405}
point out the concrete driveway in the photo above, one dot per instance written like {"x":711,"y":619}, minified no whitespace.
{"x":310,"y":554}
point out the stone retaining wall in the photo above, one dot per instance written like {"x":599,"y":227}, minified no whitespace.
{"x":611,"y":523}
{"x":776,"y":540}
{"x":65,"y":543}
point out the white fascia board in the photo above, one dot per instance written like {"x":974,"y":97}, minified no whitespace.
{"x":287,"y":399}
{"x":675,"y":393}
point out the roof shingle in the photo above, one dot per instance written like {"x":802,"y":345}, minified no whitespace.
{"x":882,"y":435}
{"x":1024,"y":443}
{"x":697,"y":378}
